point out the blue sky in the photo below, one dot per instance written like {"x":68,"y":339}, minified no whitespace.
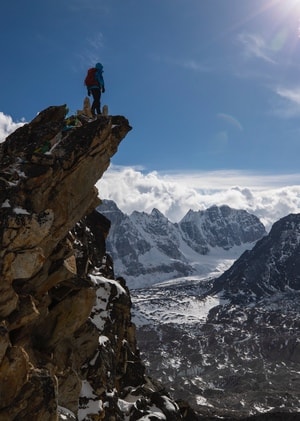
{"x":207,"y":85}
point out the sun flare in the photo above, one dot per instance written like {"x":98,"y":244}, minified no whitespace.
{"x":290,"y":6}
{"x":283,"y":21}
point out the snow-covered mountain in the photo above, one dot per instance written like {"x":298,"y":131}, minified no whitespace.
{"x":148,"y":248}
{"x":272,"y":266}
{"x":227,"y":342}
{"x":230,"y":344}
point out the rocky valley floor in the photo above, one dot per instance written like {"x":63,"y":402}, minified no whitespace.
{"x":226,"y":359}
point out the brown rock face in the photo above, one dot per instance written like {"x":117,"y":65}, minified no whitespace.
{"x":47,"y":178}
{"x":67,"y":345}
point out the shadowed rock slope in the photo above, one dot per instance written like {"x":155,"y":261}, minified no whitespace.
{"x":67,"y":345}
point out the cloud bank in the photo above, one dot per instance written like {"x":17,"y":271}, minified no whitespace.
{"x":268,"y":196}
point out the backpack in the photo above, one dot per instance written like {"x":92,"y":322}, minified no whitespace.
{"x":90,"y":79}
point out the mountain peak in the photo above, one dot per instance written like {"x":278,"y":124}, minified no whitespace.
{"x":155,"y":213}
{"x":155,"y":249}
{"x":272,"y":265}
{"x":220,"y":226}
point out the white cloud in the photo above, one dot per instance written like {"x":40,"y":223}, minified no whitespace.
{"x":290,"y":105}
{"x":256,"y":47}
{"x":291,"y":94}
{"x":194,"y":65}
{"x":186,"y":63}
{"x":269,"y":196}
{"x":7,"y":126}
{"x":97,"y":42}
{"x":288,"y":102}
{"x":88,"y":55}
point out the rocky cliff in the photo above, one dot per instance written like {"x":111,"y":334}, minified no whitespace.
{"x":67,"y":345}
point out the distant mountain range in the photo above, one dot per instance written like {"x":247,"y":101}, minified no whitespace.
{"x":148,"y":248}
{"x":230,"y":344}
{"x":215,"y":302}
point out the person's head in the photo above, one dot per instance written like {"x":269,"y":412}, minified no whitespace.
{"x":99,"y":67}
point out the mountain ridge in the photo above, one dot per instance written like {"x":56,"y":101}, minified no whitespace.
{"x":148,"y":248}
{"x":270,"y":263}
{"x":232,"y":342}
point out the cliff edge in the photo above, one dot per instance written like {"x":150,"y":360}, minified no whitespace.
{"x":67,"y":345}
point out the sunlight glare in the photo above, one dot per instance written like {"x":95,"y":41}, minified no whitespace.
{"x":290,"y":14}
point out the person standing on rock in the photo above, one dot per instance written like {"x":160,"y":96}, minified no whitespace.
{"x":95,"y":85}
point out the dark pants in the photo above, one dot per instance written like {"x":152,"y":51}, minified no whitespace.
{"x":96,"y":92}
